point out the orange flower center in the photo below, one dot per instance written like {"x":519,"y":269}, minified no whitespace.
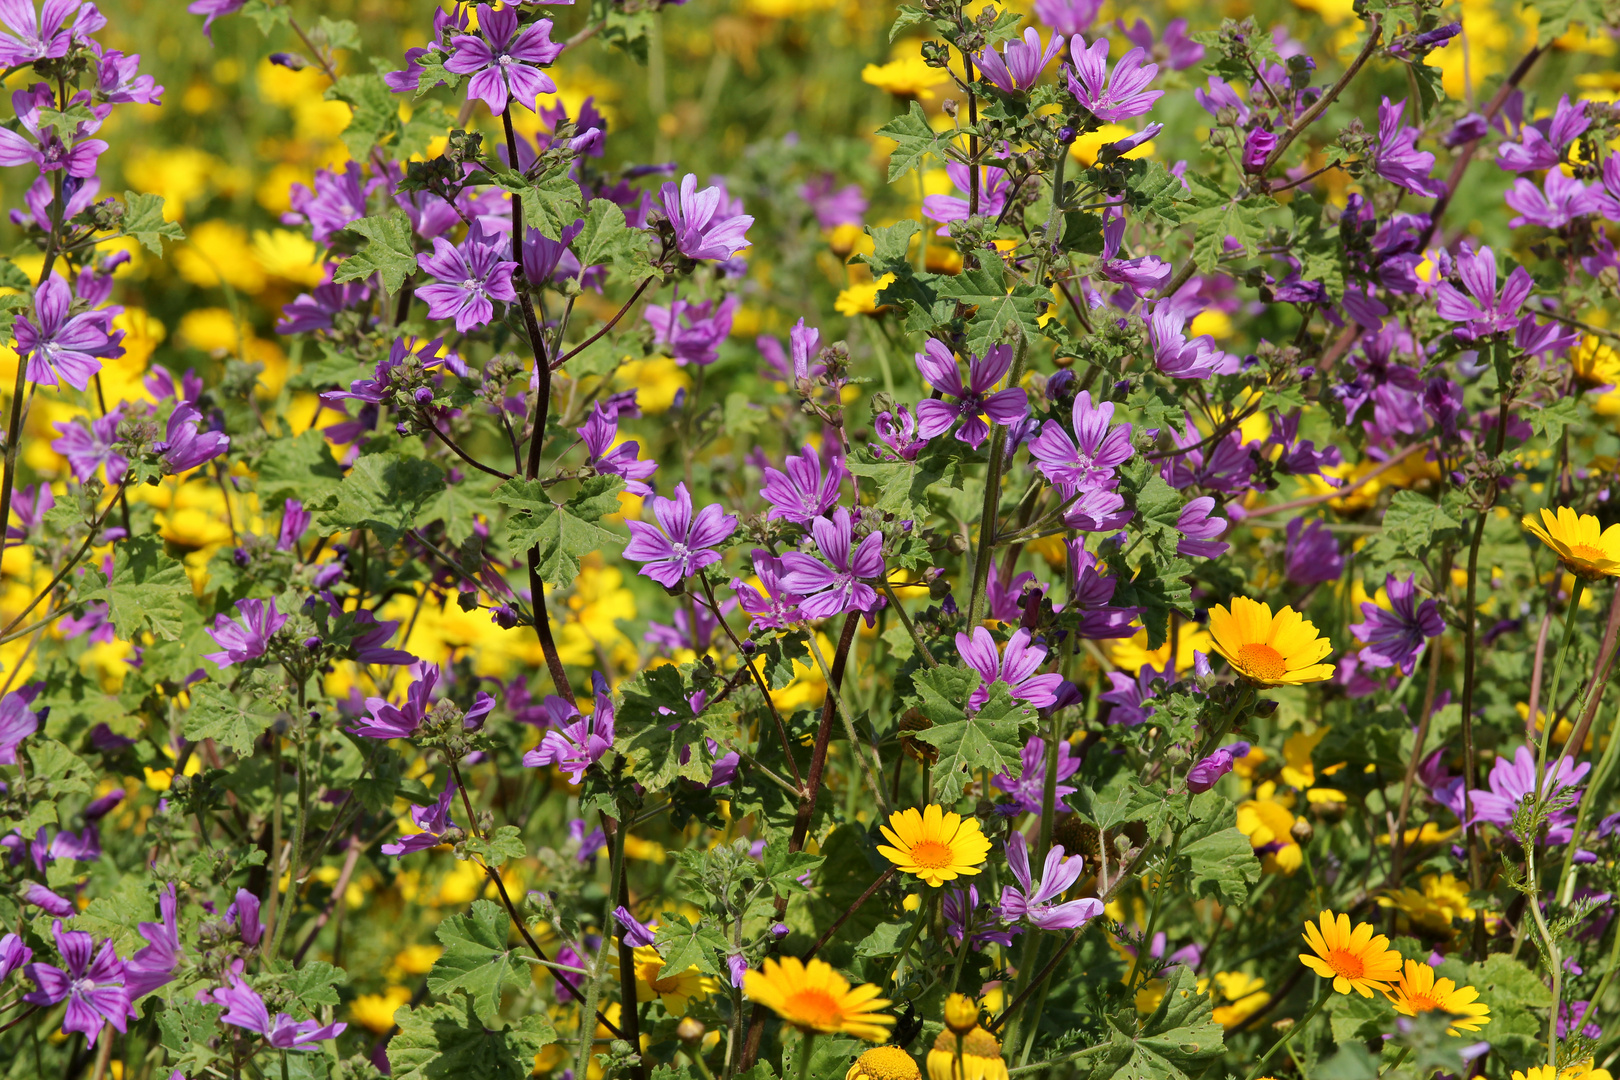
{"x":1421,"y":1003}
{"x":1261,"y":661}
{"x":1587,"y":553}
{"x":932,"y":855}
{"x":814,"y":1007}
{"x":1346,"y":964}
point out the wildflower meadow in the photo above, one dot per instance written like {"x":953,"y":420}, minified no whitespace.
{"x":809,"y":540}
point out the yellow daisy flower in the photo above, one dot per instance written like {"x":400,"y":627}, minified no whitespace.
{"x":1271,"y":650}
{"x":884,"y":1063}
{"x":981,"y":1057}
{"x":1587,"y":549}
{"x":1419,"y":992}
{"x":676,"y":990}
{"x":816,"y":999}
{"x":1353,"y":959}
{"x":936,"y":846}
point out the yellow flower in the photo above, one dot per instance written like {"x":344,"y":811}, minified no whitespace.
{"x":907,"y":77}
{"x":1267,"y":822}
{"x":1595,"y":364}
{"x":861,"y":299}
{"x":961,"y":1013}
{"x":981,"y":1057}
{"x":816,"y":999}
{"x":1245,"y":996}
{"x":217,"y":251}
{"x":375,"y":1012}
{"x":288,"y":255}
{"x":1132,"y":654}
{"x":1084,"y":149}
{"x":1584,"y":547}
{"x":212,"y":329}
{"x":1298,"y":770}
{"x":418,"y":959}
{"x":657,"y":381}
{"x":1442,"y":900}
{"x":1271,"y":650}
{"x":936,"y":846}
{"x":1354,"y":959}
{"x":884,"y":1063}
{"x":675,"y":990}
{"x":1419,"y":992}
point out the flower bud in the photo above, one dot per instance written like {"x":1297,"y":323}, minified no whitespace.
{"x":961,"y":1013}
{"x":689,"y":1030}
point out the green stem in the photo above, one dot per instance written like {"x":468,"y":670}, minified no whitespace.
{"x":856,"y":746}
{"x":911,"y":628}
{"x":1594,"y":788}
{"x":290,"y":896}
{"x":1288,"y":1036}
{"x":1551,"y":699}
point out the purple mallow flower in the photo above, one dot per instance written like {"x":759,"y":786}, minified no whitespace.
{"x":1512,"y":779}
{"x":1178,"y":357}
{"x":1399,"y":160}
{"x":17,"y":721}
{"x":1312,"y":555}
{"x":91,"y":981}
{"x":993,"y":189}
{"x":1015,"y":669}
{"x":433,"y":820}
{"x":60,"y":347}
{"x":243,"y":914}
{"x":842,"y":587}
{"x":1202,"y":529}
{"x":634,"y":932}
{"x":598,"y":434}
{"x":505,"y":62}
{"x":1068,"y":17}
{"x":897,"y":432}
{"x":153,"y":966}
{"x":802,"y":493}
{"x":1204,"y":774}
{"x":1562,"y":201}
{"x":1130,"y":697}
{"x":679,"y":545}
{"x":577,"y":744}
{"x":1089,"y":460}
{"x":692,"y":332}
{"x":1028,"y":788}
{"x":245,"y":1009}
{"x":468,"y":277}
{"x":247,"y":639}
{"x":183,"y":446}
{"x":1180,"y":50}
{"x":1485,"y":313}
{"x":1111,"y":98}
{"x":833,"y":205}
{"x":939,"y":370}
{"x":1140,"y":274}
{"x":1035,"y":900}
{"x":1092,"y":596}
{"x":1542,"y":144}
{"x":338,"y":201}
{"x":1395,"y":638}
{"x":771,"y":606}
{"x":31,"y":35}
{"x":13,"y":955}
{"x":707,"y":224}
{"x":1020,"y":63}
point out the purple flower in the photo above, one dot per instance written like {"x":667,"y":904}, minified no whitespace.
{"x":153,"y":966}
{"x":938,"y":367}
{"x":1019,"y":65}
{"x":948,"y":208}
{"x":1564,"y":200}
{"x":13,"y":955}
{"x":1092,"y":596}
{"x":771,"y":606}
{"x":1119,"y":97}
{"x":1312,"y":555}
{"x":1257,"y":149}
{"x":49,"y":152}
{"x":214,"y":9}
{"x":1088,"y":461}
{"x":47,"y":901}
{"x":294,"y":520}
{"x":832,"y":205}
{"x":543,"y":258}
{"x":245,"y":1009}
{"x":830,"y":591}
{"x":1399,"y":160}
{"x":1512,"y":780}
{"x":17,"y":722}
{"x":1395,"y":638}
{"x":589,"y":842}
{"x":1016,"y":669}
{"x":247,"y":639}
{"x":469,"y":277}
{"x":243,"y":914}
{"x":706,"y":227}
{"x":1177,"y":357}
{"x":1129,"y":697}
{"x":31,"y":35}
{"x":679,"y":545}
{"x":388,"y":721}
{"x":1203,"y":775}
{"x":60,"y":347}
{"x":1140,"y":274}
{"x":691,"y":333}
{"x":801,"y":493}
{"x":433,"y":820}
{"x":338,"y":201}
{"x":119,"y":82}
{"x":1471,"y":128}
{"x":1180,"y":50}
{"x":1203,"y":531}
{"x":1028,"y":788}
{"x":634,"y":932}
{"x":371,"y":645}
{"x":183,"y":447}
{"x":575,"y":746}
{"x":504,"y":61}
{"x":1098,"y":510}
{"x":1033,"y":900}
{"x":91,"y":981}
{"x":1542,"y":144}
{"x":897,"y":431}
{"x":315,"y":310}
{"x":1068,"y":17}
{"x":1486,"y":313}
{"x":598,"y":434}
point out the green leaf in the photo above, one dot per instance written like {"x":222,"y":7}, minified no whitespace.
{"x":655,"y":724}
{"x":683,"y":946}
{"x":999,"y":306}
{"x":551,"y":201}
{"x":503,"y":845}
{"x":188,"y":1030}
{"x":301,"y":468}
{"x":477,"y":960}
{"x":564,"y":534}
{"x":338,"y":33}
{"x":459,"y":505}
{"x":1178,"y":1039}
{"x":1220,"y":216}
{"x":375,"y":110}
{"x":891,"y":243}
{"x":118,"y":913}
{"x":216,"y":713}
{"x":449,"y":1042}
{"x":144,"y":220}
{"x":1221,"y":858}
{"x":1557,"y":16}
{"x":1082,"y":232}
{"x":385,"y":493}
{"x":915,"y":141}
{"x":902,"y":486}
{"x":148,"y":589}
{"x":1551,"y":420}
{"x":267,"y":16}
{"x":1354,"y":1018}
{"x":606,"y":240}
{"x":390,"y":251}
{"x":989,"y":739}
